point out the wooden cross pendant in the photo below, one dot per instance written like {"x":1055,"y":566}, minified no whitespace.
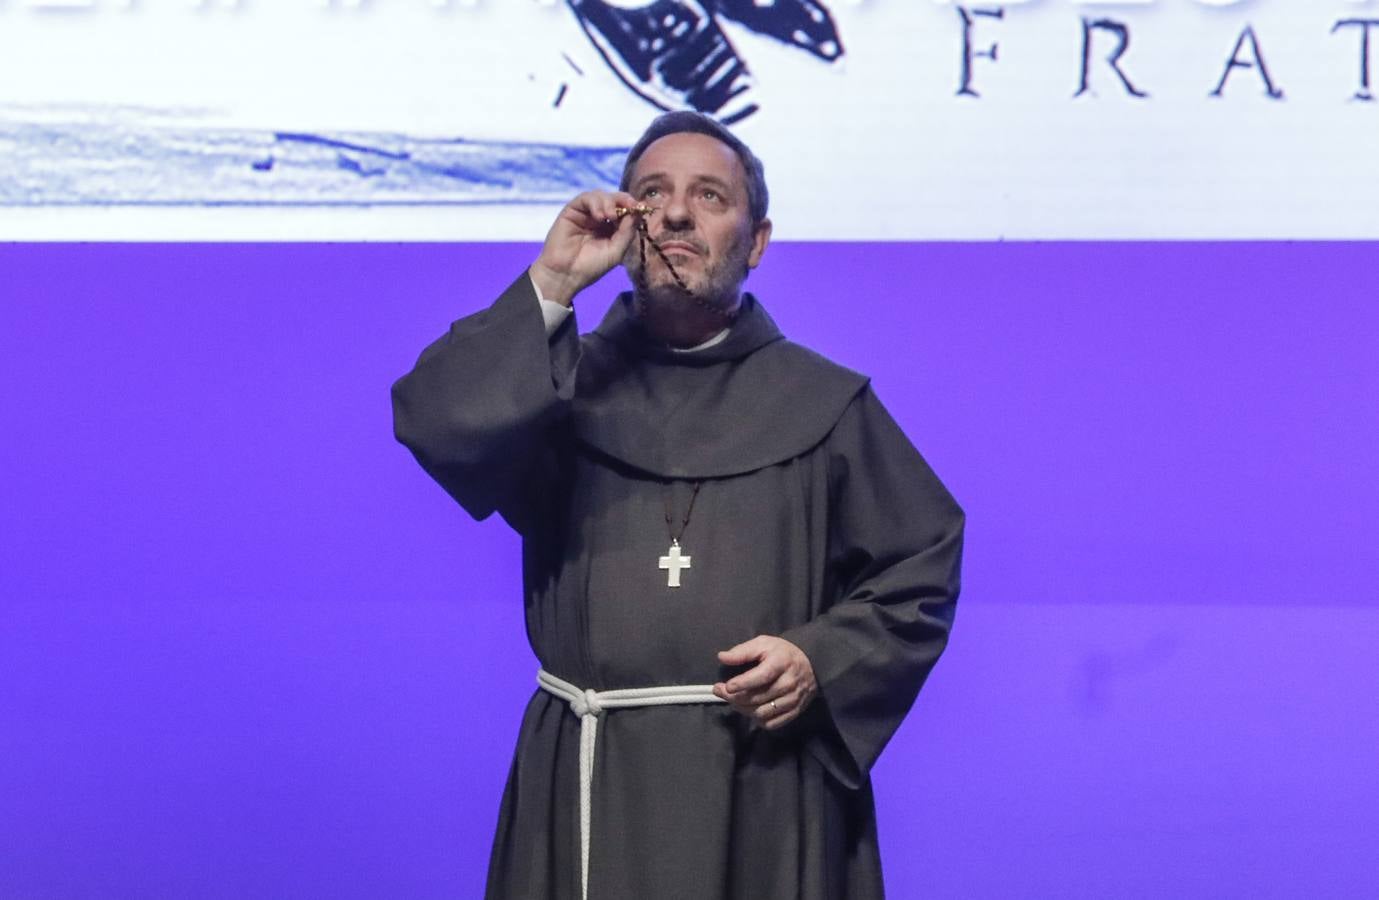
{"x":673,"y":563}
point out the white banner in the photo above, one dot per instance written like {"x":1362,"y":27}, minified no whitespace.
{"x":877,"y":119}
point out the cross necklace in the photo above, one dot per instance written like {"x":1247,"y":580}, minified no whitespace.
{"x":673,"y":562}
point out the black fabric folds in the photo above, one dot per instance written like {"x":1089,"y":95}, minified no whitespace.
{"x":815,"y":520}
{"x":753,"y":400}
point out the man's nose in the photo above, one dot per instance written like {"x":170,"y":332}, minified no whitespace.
{"x":677,"y":213}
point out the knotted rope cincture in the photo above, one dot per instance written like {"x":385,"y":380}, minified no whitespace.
{"x":590,"y":705}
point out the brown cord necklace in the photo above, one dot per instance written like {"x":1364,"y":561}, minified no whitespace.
{"x":674,"y":562}
{"x":643,"y":239}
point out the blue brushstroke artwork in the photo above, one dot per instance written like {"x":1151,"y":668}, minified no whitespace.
{"x":673,"y":54}
{"x":116,"y":157}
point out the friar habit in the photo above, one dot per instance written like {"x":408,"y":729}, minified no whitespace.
{"x":815,"y":519}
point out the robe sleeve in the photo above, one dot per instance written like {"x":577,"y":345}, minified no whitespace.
{"x":895,"y":549}
{"x":484,"y":409}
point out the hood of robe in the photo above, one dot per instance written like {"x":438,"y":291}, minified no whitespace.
{"x":750,"y":401}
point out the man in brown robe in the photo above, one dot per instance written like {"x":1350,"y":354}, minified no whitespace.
{"x":707,"y":510}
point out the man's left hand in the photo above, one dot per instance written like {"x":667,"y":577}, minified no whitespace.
{"x":776,"y":689}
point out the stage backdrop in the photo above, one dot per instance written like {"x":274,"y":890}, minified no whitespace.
{"x":880,"y":119}
{"x":248,"y":650}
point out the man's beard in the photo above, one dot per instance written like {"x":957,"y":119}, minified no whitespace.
{"x":717,"y":285}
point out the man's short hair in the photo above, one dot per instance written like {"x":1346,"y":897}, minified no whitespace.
{"x":682,"y":121}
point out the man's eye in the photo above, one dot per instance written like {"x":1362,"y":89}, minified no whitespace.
{"x":651,"y":192}
{"x":711,"y":194}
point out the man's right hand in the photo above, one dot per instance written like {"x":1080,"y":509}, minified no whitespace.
{"x":587,"y":239}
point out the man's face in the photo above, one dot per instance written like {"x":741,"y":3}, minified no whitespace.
{"x":703,"y":222}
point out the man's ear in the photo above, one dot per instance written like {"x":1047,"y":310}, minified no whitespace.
{"x":761,"y":236}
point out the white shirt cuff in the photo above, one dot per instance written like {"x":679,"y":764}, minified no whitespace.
{"x":553,"y":313}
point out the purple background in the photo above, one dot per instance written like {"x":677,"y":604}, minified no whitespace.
{"x":248,"y":650}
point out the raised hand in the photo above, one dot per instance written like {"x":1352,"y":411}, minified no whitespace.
{"x":777,"y":689}
{"x":588,"y":238}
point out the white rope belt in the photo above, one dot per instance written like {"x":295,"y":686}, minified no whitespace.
{"x":589,"y":705}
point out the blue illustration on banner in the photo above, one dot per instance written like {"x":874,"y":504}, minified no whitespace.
{"x":673,"y":54}
{"x":117,"y":159}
